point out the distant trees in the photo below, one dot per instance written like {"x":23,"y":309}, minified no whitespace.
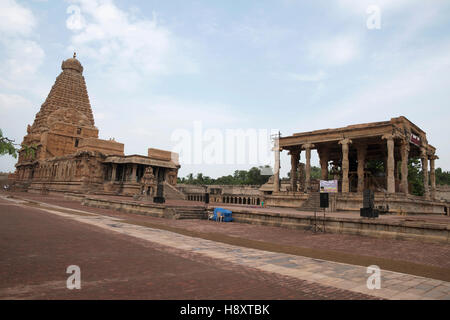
{"x":376,"y":167}
{"x":415,"y":177}
{"x":442,"y":177}
{"x":253,"y":176}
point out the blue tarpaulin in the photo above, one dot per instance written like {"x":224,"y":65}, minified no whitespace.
{"x":226,"y":214}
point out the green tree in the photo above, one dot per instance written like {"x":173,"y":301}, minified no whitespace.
{"x":415,"y":177}
{"x":7,"y":146}
{"x":316,"y":172}
{"x":376,"y":167}
{"x":442,"y":177}
{"x":253,"y":176}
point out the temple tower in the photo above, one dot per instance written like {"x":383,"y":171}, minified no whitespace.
{"x":65,"y":119}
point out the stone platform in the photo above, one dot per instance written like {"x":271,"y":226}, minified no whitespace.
{"x":352,"y":201}
{"x":429,"y":228}
{"x":170,"y":210}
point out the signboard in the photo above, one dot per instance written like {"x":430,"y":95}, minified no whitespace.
{"x":415,"y":140}
{"x":330,"y":186}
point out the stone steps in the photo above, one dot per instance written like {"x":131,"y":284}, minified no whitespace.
{"x":312,"y":203}
{"x":191,"y":214}
{"x":172,"y":193}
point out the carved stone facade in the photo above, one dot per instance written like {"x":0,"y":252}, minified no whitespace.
{"x":344,"y":154}
{"x":69,"y":156}
{"x":350,"y":147}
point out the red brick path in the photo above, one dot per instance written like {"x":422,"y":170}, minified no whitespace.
{"x":36,"y":247}
{"x":427,"y":254}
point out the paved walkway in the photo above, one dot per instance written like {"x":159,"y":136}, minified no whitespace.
{"x":343,"y":276}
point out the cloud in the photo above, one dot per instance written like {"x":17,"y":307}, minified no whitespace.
{"x":76,"y":20}
{"x":416,"y":88}
{"x":22,"y":55}
{"x":337,"y":50}
{"x":122,"y":44}
{"x":312,"y":77}
{"x":24,"y":58}
{"x":359,"y":6}
{"x":15,"y":19}
{"x":10,"y":102}
{"x":402,"y":88}
{"x":158,"y":117}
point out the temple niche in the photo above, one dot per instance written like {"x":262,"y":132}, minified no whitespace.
{"x":148,"y":185}
{"x":63,"y":152}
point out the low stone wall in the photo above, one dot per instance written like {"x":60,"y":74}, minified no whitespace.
{"x":443,"y":192}
{"x":148,"y":209}
{"x":397,"y":203}
{"x":286,"y":200}
{"x":154,"y":210}
{"x":428,"y":232}
{"x":62,"y":187}
{"x":406,"y":230}
{"x":352,"y":201}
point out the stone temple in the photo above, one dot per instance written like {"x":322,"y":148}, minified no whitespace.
{"x":346,"y":151}
{"x":344,"y":155}
{"x":69,"y":156}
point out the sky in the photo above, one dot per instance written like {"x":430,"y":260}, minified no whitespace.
{"x":188,"y":76}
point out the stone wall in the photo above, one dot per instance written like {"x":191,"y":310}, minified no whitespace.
{"x":428,"y":232}
{"x":443,"y":192}
{"x":108,"y":147}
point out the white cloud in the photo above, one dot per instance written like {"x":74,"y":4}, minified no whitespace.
{"x":123,"y":45}
{"x":416,"y":88}
{"x":76,"y":20}
{"x":15,"y":19}
{"x":22,"y":55}
{"x":10,"y":102}
{"x":158,"y":117}
{"x":360,"y":6}
{"x":24,"y":58}
{"x":402,"y":89}
{"x":337,"y":50}
{"x":312,"y":77}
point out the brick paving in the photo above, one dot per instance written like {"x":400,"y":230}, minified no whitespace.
{"x":405,"y":252}
{"x":329,"y":274}
{"x":37,"y":246}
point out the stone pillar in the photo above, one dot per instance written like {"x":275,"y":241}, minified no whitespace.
{"x":425,"y":172}
{"x":390,"y":163}
{"x":405,"y":159}
{"x":307,"y":148}
{"x":396,"y":171}
{"x":362,"y":152}
{"x":323,"y":158}
{"x":345,"y":165}
{"x":133,"y":173}
{"x":276,"y":169}
{"x":295,"y":158}
{"x":114,"y":172}
{"x":43,"y":149}
{"x":433,"y":176}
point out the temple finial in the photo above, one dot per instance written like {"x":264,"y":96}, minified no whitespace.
{"x":74,"y":55}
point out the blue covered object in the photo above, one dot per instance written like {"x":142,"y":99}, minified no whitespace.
{"x":226,"y":214}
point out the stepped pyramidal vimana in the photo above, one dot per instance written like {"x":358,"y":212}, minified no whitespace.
{"x":68,"y":156}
